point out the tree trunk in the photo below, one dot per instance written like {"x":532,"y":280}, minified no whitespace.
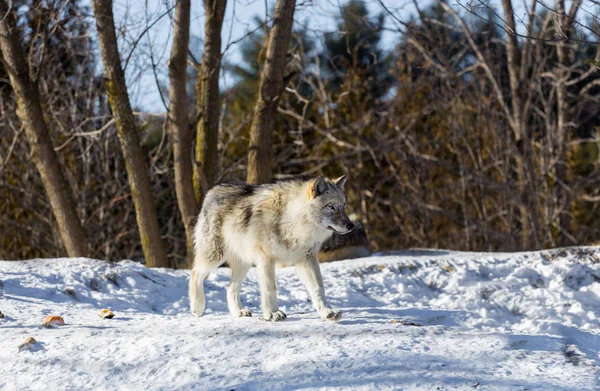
{"x":563,"y":199}
{"x":527,"y":202}
{"x":178,"y":124}
{"x":260,"y":155}
{"x":128,"y":137}
{"x":207,"y":89}
{"x":29,"y":111}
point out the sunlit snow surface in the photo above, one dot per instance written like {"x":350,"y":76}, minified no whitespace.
{"x":524,"y":321}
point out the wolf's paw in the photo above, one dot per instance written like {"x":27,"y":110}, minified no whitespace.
{"x":330,"y":314}
{"x":275,"y":316}
{"x":197,"y":309}
{"x":244,"y":312}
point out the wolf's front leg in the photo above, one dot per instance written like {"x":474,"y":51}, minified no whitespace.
{"x":268,"y":291}
{"x":310,"y":273}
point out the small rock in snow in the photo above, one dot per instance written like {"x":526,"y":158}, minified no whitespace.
{"x":27,"y":343}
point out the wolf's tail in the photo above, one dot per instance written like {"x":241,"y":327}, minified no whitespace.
{"x":197,"y":299}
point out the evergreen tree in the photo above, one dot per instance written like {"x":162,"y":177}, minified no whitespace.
{"x":354,"y":50}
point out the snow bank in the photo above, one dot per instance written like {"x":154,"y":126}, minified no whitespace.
{"x":505,"y":321}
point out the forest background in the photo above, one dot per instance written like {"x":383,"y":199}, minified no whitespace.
{"x":474,"y":126}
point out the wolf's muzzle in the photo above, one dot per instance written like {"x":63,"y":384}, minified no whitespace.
{"x":349,"y":227}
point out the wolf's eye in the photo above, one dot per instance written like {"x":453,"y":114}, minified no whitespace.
{"x":331,"y":207}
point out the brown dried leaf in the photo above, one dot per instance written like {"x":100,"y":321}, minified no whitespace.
{"x":106,"y":314}
{"x":53,"y":320}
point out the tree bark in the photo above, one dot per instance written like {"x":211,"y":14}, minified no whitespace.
{"x":526,"y":203}
{"x":178,"y":124}
{"x":260,"y":155}
{"x":513,"y":57}
{"x":137,"y":173}
{"x":207,"y":90}
{"x":29,"y":111}
{"x":563,"y":199}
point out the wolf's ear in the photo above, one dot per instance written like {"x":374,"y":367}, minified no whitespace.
{"x":340,"y":182}
{"x":318,"y":187}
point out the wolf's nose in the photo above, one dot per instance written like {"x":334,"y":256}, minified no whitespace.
{"x":349,"y":226}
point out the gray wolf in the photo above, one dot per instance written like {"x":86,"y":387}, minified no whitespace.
{"x":263,"y":225}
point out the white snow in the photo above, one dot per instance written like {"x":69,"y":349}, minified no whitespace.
{"x":494,"y":321}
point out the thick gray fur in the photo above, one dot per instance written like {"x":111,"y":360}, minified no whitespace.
{"x":283,"y":222}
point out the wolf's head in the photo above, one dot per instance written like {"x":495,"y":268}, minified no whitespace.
{"x":327,"y":203}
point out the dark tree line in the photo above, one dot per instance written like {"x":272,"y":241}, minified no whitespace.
{"x":465,"y":135}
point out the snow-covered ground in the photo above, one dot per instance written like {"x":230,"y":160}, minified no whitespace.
{"x":489,"y":322}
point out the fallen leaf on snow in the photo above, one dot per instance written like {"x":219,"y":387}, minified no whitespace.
{"x":53,"y":320}
{"x":106,"y":314}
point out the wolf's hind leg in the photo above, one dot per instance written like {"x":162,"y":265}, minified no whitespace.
{"x":197,"y":299}
{"x":238,"y":273}
{"x":201,"y":270}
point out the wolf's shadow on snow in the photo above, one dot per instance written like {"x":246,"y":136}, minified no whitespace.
{"x":426,"y":317}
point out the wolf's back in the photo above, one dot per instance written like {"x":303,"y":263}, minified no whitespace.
{"x":228,"y":193}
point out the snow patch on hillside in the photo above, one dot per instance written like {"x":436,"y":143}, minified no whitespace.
{"x":503,"y":321}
